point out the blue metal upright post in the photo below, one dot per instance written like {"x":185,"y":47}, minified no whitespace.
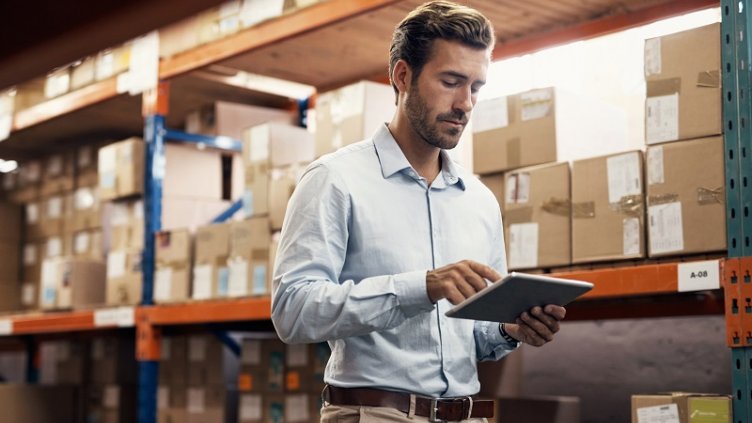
{"x":154,"y":165}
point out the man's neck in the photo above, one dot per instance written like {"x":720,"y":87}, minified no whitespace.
{"x":423,"y":157}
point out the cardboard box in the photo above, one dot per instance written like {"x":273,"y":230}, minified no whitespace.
{"x":262,"y":365}
{"x":113,"y":361}
{"x":39,"y":404}
{"x":58,"y":175}
{"x":86,"y":212}
{"x":88,"y":244}
{"x":210,"y":272}
{"x":210,"y":362}
{"x":121,"y":169}
{"x":211,"y":404}
{"x":277,"y":144}
{"x":54,"y":213}
{"x":172,"y":279}
{"x":124,"y":224}
{"x":540,"y":409}
{"x":683,"y":85}
{"x":686,"y":203}
{"x":231,"y":119}
{"x":501,"y":378}
{"x":112,"y":61}
{"x":112,"y":403}
{"x":124,"y":281}
{"x":173,"y":367}
{"x":249,"y":258}
{"x":29,"y":94}
{"x":11,"y":298}
{"x":542,"y":126}
{"x":304,"y":367}
{"x":351,"y":114}
{"x":282,"y":183}
{"x":179,"y":37}
{"x":256,"y":192}
{"x":86,"y":164}
{"x":682,"y":407}
{"x":83,"y":73}
{"x":57,"y":82}
{"x":274,"y":408}
{"x":607,"y":208}
{"x":537,"y":217}
{"x":495,"y":183}
{"x":190,"y":213}
{"x":72,"y":283}
{"x":33,"y":214}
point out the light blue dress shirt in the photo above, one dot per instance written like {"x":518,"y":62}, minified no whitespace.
{"x":361,"y":230}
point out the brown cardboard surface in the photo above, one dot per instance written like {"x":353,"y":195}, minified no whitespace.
{"x":277,"y":144}
{"x":683,"y":401}
{"x":686,"y":64}
{"x":685,"y":180}
{"x":10,"y":262}
{"x":11,"y":217}
{"x":495,"y":182}
{"x":262,"y":365}
{"x":537,"y":201}
{"x":213,"y":241}
{"x":121,"y":169}
{"x":113,"y":361}
{"x":173,"y":246}
{"x":281,"y":186}
{"x":256,"y":194}
{"x":81,"y":283}
{"x":38,"y":404}
{"x":230,"y":119}
{"x":598,"y":225}
{"x":58,"y":174}
{"x":249,"y":258}
{"x":86,"y":213}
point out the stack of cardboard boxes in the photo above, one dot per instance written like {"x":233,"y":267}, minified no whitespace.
{"x":10,"y":252}
{"x":113,"y":380}
{"x":619,"y":204}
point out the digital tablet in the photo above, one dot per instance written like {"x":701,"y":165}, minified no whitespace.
{"x":504,"y":300}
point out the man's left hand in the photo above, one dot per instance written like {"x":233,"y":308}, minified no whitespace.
{"x":538,"y":326}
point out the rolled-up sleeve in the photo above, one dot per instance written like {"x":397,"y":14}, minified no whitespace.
{"x":309,"y":302}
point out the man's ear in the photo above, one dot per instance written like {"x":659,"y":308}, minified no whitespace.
{"x":402,"y":76}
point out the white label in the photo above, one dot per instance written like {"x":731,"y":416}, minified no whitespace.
{"x":6,"y":114}
{"x":6,"y":327}
{"x":250,"y":407}
{"x":623,"y":176}
{"x":28,"y":294}
{"x":84,"y":199}
{"x":116,"y":264}
{"x":238,"y":284}
{"x":54,"y":207}
{"x":202,"y":287}
{"x":195,"y":400}
{"x":666,"y":229}
{"x":32,"y":213}
{"x":112,"y":396}
{"x":196,"y":348}
{"x":30,"y":254}
{"x":518,"y":188}
{"x":535,"y":104}
{"x":662,"y":118}
{"x":655,"y":165}
{"x":57,"y":83}
{"x":255,"y":11}
{"x":259,"y":145}
{"x":81,"y":243}
{"x":120,"y":215}
{"x":105,"y":64}
{"x":54,"y":247}
{"x":523,"y":245}
{"x":251,"y":353}
{"x":296,"y":408}
{"x":163,"y":398}
{"x":55,"y":166}
{"x":297,"y":355}
{"x":118,"y":316}
{"x":144,"y":63}
{"x":631,"y":235}
{"x":490,"y":114}
{"x":163,"y":284}
{"x":668,"y":413}
{"x":138,"y":210}
{"x":48,"y":294}
{"x":652,"y":56}
{"x":699,"y":276}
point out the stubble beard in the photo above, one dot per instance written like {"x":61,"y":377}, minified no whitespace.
{"x":418,"y":116}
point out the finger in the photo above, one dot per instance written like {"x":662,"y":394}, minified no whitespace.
{"x":487,"y":272}
{"x":473,"y":279}
{"x":557,"y":312}
{"x":459,"y":279}
{"x":539,"y":327}
{"x":528,"y":335}
{"x":452,"y":294}
{"x":550,"y":322}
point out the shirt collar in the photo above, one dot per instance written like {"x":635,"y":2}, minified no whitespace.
{"x":393,"y":160}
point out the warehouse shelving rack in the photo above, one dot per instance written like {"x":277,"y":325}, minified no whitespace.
{"x":334,"y":26}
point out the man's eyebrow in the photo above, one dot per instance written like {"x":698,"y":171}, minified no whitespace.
{"x":462,"y":76}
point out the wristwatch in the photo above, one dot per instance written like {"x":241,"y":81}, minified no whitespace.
{"x":507,"y":337}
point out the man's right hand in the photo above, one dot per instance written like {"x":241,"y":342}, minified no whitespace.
{"x":458,"y":281}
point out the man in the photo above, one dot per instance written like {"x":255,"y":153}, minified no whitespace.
{"x":383,"y":236}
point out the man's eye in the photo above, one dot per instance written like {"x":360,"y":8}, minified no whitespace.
{"x":450,"y":83}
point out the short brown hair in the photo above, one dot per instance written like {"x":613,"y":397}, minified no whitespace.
{"x":413,"y":38}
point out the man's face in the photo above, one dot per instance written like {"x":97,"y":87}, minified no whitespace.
{"x":438,"y":104}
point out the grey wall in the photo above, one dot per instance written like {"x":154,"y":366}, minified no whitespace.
{"x":605,"y":362}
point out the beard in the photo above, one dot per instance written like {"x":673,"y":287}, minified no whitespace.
{"x":419,"y":117}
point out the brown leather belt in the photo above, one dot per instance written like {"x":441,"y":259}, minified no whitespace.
{"x":436,"y":409}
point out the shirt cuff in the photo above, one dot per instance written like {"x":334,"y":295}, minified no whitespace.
{"x":411,"y":292}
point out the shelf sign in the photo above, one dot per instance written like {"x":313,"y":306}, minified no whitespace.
{"x":120,"y":317}
{"x":143,"y":67}
{"x":699,"y":275}
{"x":6,"y":327}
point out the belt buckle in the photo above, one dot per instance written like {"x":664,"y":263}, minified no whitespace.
{"x":434,"y":410}
{"x":470,"y":406}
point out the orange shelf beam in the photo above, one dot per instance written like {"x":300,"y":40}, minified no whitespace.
{"x":66,"y":103}
{"x":598,"y":27}
{"x":68,"y":321}
{"x":629,"y":281}
{"x":266,"y":33}
{"x":206,"y":312}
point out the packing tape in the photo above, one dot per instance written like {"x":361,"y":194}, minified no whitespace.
{"x":658,"y":199}
{"x":709,"y":79}
{"x":663,"y":87}
{"x":518,"y":215}
{"x":513,"y":152}
{"x":583,"y":210}
{"x":558,"y":206}
{"x":630,"y":205}
{"x":710,"y":196}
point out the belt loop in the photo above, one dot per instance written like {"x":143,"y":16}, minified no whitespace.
{"x":325,"y":396}
{"x":411,"y":410}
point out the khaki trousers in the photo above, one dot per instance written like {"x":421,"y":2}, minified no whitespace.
{"x":357,"y":414}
